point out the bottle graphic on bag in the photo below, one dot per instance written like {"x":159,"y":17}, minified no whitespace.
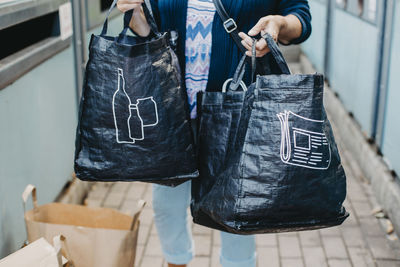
{"x":131,"y":119}
{"x":121,"y":111}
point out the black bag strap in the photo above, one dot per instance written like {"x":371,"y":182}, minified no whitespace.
{"x":229,"y":24}
{"x":147,"y":11}
{"x":277,"y":54}
{"x":237,"y":80}
{"x":105,"y":25}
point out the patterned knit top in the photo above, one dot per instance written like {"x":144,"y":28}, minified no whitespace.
{"x":200,"y":16}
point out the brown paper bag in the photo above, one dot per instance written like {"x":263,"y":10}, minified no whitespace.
{"x":39,"y":253}
{"x":96,"y":237}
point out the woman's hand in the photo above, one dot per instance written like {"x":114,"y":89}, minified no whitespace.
{"x":280,"y":28}
{"x":125,"y":5}
{"x":138,"y":21}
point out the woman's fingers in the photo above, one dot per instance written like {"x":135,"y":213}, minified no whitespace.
{"x":268,"y":24}
{"x":258,"y":53}
{"x":247,"y":42}
{"x":125,"y":5}
{"x":258,"y":27}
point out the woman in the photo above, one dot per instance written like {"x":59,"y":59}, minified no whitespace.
{"x":208,"y":56}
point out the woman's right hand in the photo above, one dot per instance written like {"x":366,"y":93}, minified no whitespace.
{"x":138,"y":22}
{"x":125,"y":5}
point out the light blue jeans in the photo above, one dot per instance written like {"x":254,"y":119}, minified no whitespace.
{"x":170,"y":207}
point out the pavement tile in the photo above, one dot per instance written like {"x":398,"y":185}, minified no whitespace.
{"x":352,"y":235}
{"x":386,"y":263}
{"x":98,"y":192}
{"x":381,"y":249}
{"x":200,"y":262}
{"x":370,"y":226}
{"x":153,"y":247}
{"x":136,"y":191}
{"x":296,"y":262}
{"x":362,"y":209}
{"x":357,"y":196}
{"x":268,"y":257}
{"x":150,"y":261}
{"x":266,"y":240}
{"x":202,"y":245}
{"x":314,"y":257}
{"x":334,"y":247}
{"x":139,"y":254}
{"x":93,"y":202}
{"x":147,"y":196}
{"x":216,"y":238}
{"x":215,"y":257}
{"x":288,"y":234}
{"x":361,"y":257}
{"x":340,"y":263}
{"x":331,"y":231}
{"x":289,"y":246}
{"x":129,"y":206}
{"x":153,"y":229}
{"x":114,"y":200}
{"x":352,"y":220}
{"x":310,"y":238}
{"x":146,"y":217}
{"x":143,"y":234}
{"x":201,"y":230}
{"x":121,"y":187}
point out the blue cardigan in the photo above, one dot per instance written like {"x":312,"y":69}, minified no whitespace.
{"x":225,"y":55}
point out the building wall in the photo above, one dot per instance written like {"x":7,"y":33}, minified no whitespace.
{"x":38,"y":118}
{"x":391,"y":134}
{"x":314,"y":47}
{"x":354,"y":63}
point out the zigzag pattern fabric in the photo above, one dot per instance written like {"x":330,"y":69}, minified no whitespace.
{"x":200,"y":16}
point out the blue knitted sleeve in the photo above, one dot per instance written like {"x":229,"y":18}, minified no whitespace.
{"x":301,"y":10}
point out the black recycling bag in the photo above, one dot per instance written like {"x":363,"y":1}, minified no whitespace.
{"x":268,"y":160}
{"x":134,"y":118}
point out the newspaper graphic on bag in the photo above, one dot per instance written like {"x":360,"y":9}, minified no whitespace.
{"x":303,"y":143}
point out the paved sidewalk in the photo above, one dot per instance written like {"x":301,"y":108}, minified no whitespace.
{"x":361,"y":241}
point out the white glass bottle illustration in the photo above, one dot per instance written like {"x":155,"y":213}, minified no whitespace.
{"x":122,"y":112}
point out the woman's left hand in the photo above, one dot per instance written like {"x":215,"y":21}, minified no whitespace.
{"x":269,"y":24}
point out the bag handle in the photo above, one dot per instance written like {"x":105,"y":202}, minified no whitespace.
{"x":29,"y":190}
{"x":237,"y":79}
{"x":60,"y":245}
{"x":141,"y":205}
{"x":276,"y":53}
{"x":147,"y":11}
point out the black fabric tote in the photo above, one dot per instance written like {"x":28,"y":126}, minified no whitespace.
{"x":268,"y":160}
{"x":134,"y":122}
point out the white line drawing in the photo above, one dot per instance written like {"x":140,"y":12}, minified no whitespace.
{"x":303,"y":142}
{"x":131,"y":119}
